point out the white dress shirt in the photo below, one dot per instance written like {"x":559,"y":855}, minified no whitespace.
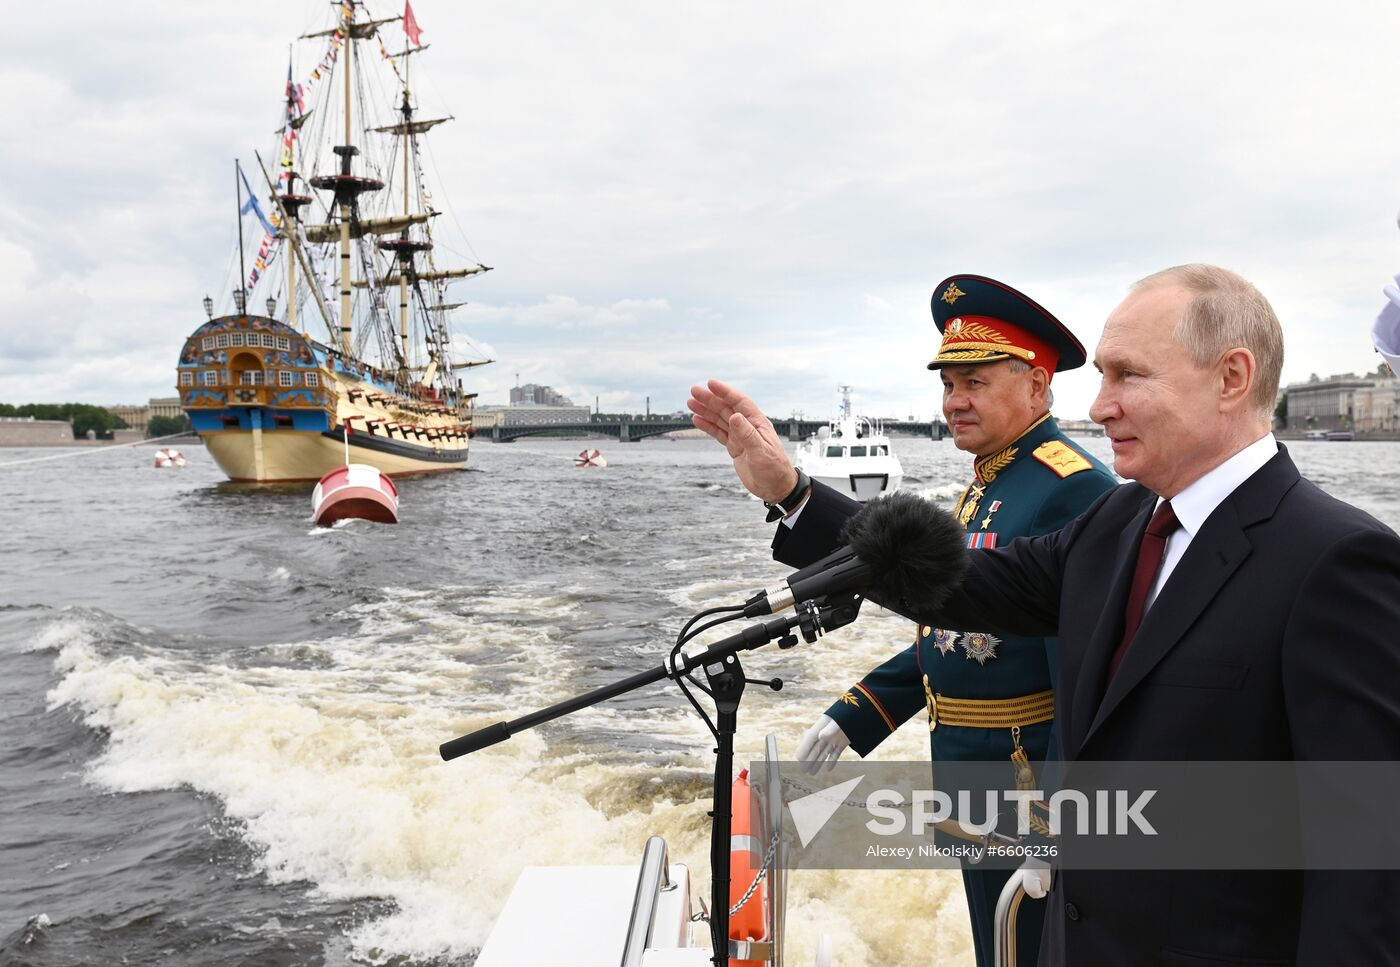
{"x":1194,"y":504}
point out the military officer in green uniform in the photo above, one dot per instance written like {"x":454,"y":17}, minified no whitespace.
{"x":985,"y":698}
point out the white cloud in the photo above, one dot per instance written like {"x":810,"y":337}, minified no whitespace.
{"x":565,"y":312}
{"x":769,"y":191}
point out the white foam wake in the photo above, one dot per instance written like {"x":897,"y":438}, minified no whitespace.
{"x":332,"y":767}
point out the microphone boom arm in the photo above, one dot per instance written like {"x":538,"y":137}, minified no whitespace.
{"x":811,"y":619}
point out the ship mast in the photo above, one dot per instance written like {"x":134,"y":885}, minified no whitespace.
{"x":405,"y":249}
{"x":346,"y":199}
{"x":403,"y":277}
{"x":291,"y":203}
{"x":346,"y":185}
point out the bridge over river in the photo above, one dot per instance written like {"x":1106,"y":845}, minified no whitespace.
{"x":630,"y":429}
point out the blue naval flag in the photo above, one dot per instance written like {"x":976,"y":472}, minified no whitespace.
{"x":252,"y":204}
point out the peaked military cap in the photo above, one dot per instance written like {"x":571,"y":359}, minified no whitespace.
{"x":983,"y":320}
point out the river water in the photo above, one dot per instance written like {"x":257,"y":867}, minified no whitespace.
{"x":220,"y":723}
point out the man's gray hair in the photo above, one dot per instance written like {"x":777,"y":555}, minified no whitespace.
{"x":1226,"y":312}
{"x":1018,"y":366}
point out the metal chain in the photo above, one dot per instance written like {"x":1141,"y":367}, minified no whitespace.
{"x":762,"y":870}
{"x":852,"y":803}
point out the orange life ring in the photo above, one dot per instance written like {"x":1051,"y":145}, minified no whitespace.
{"x":746,"y":851}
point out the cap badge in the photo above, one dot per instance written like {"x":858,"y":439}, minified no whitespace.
{"x":953,"y":294}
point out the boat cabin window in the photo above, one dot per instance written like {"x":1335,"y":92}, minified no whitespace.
{"x":236,"y":339}
{"x":221,"y":340}
{"x":284,"y":343}
{"x":313,"y":379}
{"x":207,"y":344}
{"x":250,"y":377}
{"x":210,"y":377}
{"x":858,"y":451}
{"x":186,"y":378}
{"x":880,"y":451}
{"x":835,"y":451}
{"x":286,"y":378}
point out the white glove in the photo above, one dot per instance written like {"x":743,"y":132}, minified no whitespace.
{"x":821,"y":745}
{"x":1035,"y":878}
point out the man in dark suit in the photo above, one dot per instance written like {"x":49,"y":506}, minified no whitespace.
{"x":1220,"y":608}
{"x":987,"y":698}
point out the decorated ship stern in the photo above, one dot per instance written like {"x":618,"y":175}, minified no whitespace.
{"x":272,"y":405}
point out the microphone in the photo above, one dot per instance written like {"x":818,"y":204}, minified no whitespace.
{"x":902,"y":551}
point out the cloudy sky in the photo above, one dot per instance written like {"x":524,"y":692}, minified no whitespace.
{"x":765,"y":192}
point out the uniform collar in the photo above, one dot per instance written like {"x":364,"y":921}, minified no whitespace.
{"x":986,"y":468}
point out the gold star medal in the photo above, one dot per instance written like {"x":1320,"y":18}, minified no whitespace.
{"x":987,"y":521}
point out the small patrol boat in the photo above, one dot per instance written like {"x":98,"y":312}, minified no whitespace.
{"x":851,"y":454}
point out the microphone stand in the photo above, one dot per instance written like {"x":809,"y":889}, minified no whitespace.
{"x":720,"y":663}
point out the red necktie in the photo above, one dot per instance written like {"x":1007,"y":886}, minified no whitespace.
{"x":1149,"y":561}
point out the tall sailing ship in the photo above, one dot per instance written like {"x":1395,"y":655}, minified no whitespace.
{"x":358,"y":367}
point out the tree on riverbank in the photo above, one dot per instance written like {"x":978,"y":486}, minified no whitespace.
{"x":168,"y":426}
{"x":84,"y":416}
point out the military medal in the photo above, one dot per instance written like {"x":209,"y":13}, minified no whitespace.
{"x":980,"y":646}
{"x":967,"y":507}
{"x":987,"y":521}
{"x":943,"y":640}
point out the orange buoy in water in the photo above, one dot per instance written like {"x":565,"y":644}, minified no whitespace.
{"x":355,"y":490}
{"x":746,"y":851}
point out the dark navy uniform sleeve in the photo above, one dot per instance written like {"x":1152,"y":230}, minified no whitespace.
{"x":869,"y":711}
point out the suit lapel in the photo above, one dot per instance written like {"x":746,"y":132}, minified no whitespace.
{"x":1214,"y":554}
{"x":1089,"y":682}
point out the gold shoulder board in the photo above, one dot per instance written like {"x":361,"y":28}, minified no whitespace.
{"x":1062,"y":459}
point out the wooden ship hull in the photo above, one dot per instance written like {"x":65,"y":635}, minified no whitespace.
{"x":274,"y":408}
